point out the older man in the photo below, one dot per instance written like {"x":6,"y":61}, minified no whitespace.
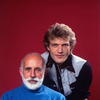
{"x":32,"y":73}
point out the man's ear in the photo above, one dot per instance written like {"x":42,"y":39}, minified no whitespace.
{"x":20,"y":71}
{"x":48,"y":48}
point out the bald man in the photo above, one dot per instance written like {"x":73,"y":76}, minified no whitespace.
{"x":32,"y":72}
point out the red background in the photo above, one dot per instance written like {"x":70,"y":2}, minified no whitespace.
{"x":22,"y":27}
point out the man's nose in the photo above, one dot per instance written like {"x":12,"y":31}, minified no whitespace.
{"x":60,"y":49}
{"x":33,"y":73}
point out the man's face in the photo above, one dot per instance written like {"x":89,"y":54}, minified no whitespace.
{"x":59,"y":49}
{"x":32,"y":73}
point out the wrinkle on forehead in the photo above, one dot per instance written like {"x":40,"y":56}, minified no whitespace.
{"x":33,"y":57}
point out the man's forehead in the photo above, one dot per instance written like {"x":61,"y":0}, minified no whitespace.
{"x":55,"y":40}
{"x":32,"y":61}
{"x":32,"y":57}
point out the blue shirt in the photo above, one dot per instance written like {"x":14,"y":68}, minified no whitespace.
{"x":22,"y":93}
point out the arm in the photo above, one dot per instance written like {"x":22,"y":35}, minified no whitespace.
{"x":82,"y":85}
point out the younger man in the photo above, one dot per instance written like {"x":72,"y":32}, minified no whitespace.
{"x":66,"y":72}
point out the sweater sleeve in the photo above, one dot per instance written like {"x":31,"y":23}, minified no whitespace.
{"x":4,"y":97}
{"x":82,"y":85}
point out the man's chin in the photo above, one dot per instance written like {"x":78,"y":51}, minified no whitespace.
{"x":33,"y":86}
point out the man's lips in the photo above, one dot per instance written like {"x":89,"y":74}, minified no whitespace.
{"x":59,"y":56}
{"x":32,"y":81}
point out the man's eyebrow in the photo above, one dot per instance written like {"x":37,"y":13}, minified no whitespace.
{"x":53,"y":43}
{"x":27,"y":68}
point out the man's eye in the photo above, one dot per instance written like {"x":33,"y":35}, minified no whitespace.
{"x":65,"y":45}
{"x":54,"y":45}
{"x":38,"y":69}
{"x":27,"y":69}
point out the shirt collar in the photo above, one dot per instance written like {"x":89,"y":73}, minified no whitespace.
{"x":50,"y":61}
{"x":67,"y":64}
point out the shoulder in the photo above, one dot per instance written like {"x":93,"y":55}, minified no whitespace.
{"x":80,"y":64}
{"x":81,"y":61}
{"x":45,"y":55}
{"x":77,"y":59}
{"x":87,"y":69}
{"x":53,"y":94}
{"x":7,"y":95}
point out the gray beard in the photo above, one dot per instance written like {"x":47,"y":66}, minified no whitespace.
{"x":32,"y":86}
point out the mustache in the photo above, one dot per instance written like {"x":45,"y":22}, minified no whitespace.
{"x":32,"y":79}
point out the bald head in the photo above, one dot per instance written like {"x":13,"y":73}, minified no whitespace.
{"x":35,"y":56}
